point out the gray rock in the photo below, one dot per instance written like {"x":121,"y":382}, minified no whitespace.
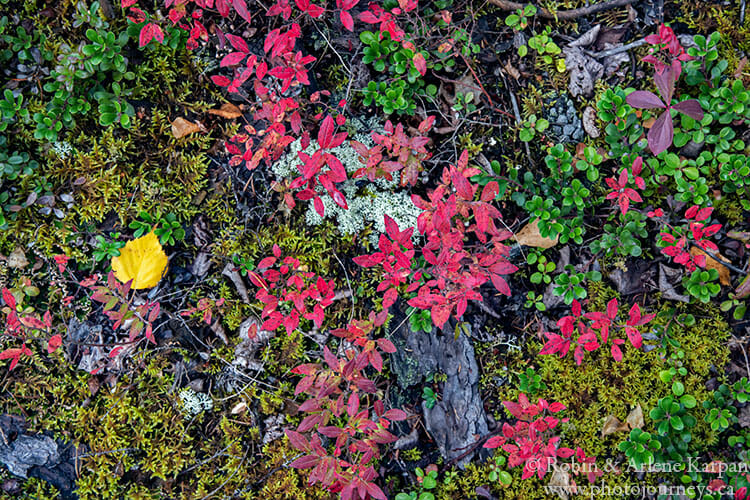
{"x":456,"y":420}
{"x":26,"y":452}
{"x":568,"y":130}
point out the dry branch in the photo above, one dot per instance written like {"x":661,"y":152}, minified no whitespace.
{"x":564,"y":14}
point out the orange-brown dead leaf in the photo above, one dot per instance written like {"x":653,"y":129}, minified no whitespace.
{"x":227,"y":110}
{"x":634,"y":419}
{"x":181,"y":127}
{"x":529,"y":236}
{"x":712,"y":263}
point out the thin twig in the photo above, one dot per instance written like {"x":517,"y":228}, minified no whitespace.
{"x":348,"y":284}
{"x":744,"y":353}
{"x":615,"y":50}
{"x":565,"y":14}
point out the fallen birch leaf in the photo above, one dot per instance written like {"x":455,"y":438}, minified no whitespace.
{"x":227,"y":110}
{"x":612,"y":425}
{"x":635,"y":418}
{"x":142,"y":260}
{"x":17,"y":259}
{"x":712,"y":263}
{"x":181,"y":127}
{"x":529,"y":236}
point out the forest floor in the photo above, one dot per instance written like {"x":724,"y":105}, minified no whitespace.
{"x":393,"y":250}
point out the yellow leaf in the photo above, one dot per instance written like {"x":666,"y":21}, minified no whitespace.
{"x":142,"y":260}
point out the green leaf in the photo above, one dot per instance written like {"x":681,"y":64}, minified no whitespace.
{"x":676,"y":423}
{"x":678,"y":389}
{"x":429,"y":482}
{"x":368,"y":37}
{"x":688,"y":401}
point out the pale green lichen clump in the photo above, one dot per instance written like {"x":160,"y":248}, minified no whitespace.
{"x":195,"y":402}
{"x":367,"y":204}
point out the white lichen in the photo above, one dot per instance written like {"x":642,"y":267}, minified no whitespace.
{"x":368,"y":201}
{"x":195,"y":402}
{"x":62,"y":149}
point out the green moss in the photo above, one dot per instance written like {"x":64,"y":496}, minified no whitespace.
{"x":39,"y":490}
{"x":729,"y":208}
{"x":411,"y":455}
{"x":601,"y":387}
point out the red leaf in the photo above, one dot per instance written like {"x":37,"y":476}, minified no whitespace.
{"x":238,"y":43}
{"x":440,"y":314}
{"x":54,"y":342}
{"x":154,"y":313}
{"x":665,"y":83}
{"x":375,"y":492}
{"x":266,"y":262}
{"x":305,"y":462}
{"x":220,"y":80}
{"x":462,"y":185}
{"x":616,"y":353}
{"x":644,"y":99}
{"x":691,"y":107}
{"x":426,"y":124}
{"x":232,"y":59}
{"x":500,"y":284}
{"x":223,"y":7}
{"x":703,"y":214}
{"x":395,"y":414}
{"x":318,"y":204}
{"x":261,"y":71}
{"x":148,"y":32}
{"x":9,"y":299}
{"x":32,"y":322}
{"x":386,"y":345}
{"x":325,"y":134}
{"x":391,"y":228}
{"x":297,"y":440}
{"x":13,"y":354}
{"x":494,"y":442}
{"x":369,"y":18}
{"x":346,"y":20}
{"x":612,"y":308}
{"x":338,"y":197}
{"x":420,"y":63}
{"x":241,"y":7}
{"x":661,"y":134}
{"x":352,"y":407}
{"x":490,"y":191}
{"x":315,"y":11}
